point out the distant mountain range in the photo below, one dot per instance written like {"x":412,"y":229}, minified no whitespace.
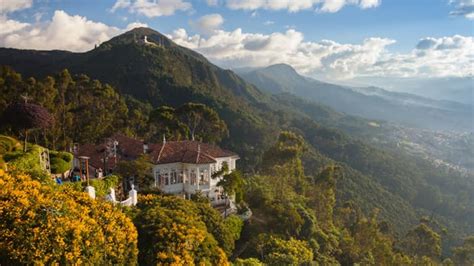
{"x":458,"y":89}
{"x":367,"y":102}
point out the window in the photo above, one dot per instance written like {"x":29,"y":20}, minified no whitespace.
{"x":193,"y":177}
{"x":204,"y":176}
{"x":166,"y":177}
{"x":181,"y":176}
{"x":173,"y":177}
{"x":158,"y":178}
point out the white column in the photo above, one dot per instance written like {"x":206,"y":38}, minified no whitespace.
{"x":91,"y":191}
{"x":133,"y":195}
{"x":112,"y":195}
{"x":197,"y":176}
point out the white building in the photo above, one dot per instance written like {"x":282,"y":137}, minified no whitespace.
{"x":185,"y":167}
{"x":179,"y":167}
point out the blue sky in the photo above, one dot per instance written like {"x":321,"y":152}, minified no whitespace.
{"x":358,"y":38}
{"x":406,"y":21}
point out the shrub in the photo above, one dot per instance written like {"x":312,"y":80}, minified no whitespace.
{"x":27,"y":162}
{"x":101,"y":186}
{"x":248,"y":262}
{"x":278,"y":251}
{"x":42,"y":224}
{"x":171,"y":232}
{"x":234,"y":224}
{"x":60,"y":161}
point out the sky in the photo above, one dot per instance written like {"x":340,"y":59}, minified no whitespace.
{"x":332,"y":40}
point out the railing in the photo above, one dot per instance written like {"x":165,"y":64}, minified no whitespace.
{"x":131,"y":201}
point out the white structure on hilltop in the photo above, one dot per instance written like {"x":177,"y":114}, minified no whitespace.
{"x":156,"y":42}
{"x":186,"y":167}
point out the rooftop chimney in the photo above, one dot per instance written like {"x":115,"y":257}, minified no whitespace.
{"x":198,"y":153}
{"x":145,"y":147}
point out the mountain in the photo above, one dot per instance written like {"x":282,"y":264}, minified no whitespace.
{"x":371,"y":102}
{"x":162,"y":73}
{"x":458,"y":89}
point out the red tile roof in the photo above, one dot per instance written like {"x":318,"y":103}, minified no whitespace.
{"x":168,"y":152}
{"x":188,"y":152}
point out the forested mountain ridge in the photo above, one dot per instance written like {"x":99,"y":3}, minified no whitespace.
{"x":370,"y":102}
{"x":166,"y":74}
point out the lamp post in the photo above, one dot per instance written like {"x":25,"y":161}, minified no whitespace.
{"x":84,"y":160}
{"x":89,"y":189}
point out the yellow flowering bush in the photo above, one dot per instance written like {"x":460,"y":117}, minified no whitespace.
{"x":171,"y":232}
{"x":42,"y":224}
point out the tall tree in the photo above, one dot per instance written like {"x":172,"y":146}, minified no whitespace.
{"x":140,"y":169}
{"x":202,"y":122}
{"x":423,"y":241}
{"x":166,"y":123}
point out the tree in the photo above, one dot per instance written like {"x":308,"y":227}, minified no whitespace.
{"x":167,"y":123}
{"x":170,"y":231}
{"x":49,"y":224}
{"x":423,"y":241}
{"x":464,"y":255}
{"x":217,"y":226}
{"x":202,"y":122}
{"x":283,"y":159}
{"x":60,"y":161}
{"x":26,"y":116}
{"x":274,"y":250}
{"x":248,"y":262}
{"x":231,"y":182}
{"x":140,"y":169}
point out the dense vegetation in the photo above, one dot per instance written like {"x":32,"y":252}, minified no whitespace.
{"x":296,"y":221}
{"x":46,"y":224}
{"x":151,"y":84}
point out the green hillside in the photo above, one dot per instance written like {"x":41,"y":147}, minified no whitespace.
{"x":143,"y":77}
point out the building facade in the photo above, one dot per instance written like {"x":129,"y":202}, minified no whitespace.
{"x":186,"y":167}
{"x":179,"y":167}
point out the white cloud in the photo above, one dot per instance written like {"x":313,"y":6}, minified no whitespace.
{"x":63,"y":31}
{"x":7,"y":6}
{"x":208,"y":23}
{"x":432,"y":57}
{"x":449,"y":56}
{"x":212,"y":2}
{"x":369,"y":3}
{"x":463,"y":8}
{"x":298,"y":5}
{"x":152,"y":8}
{"x":9,"y":25}
{"x":136,"y":24}
{"x":268,"y":22}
